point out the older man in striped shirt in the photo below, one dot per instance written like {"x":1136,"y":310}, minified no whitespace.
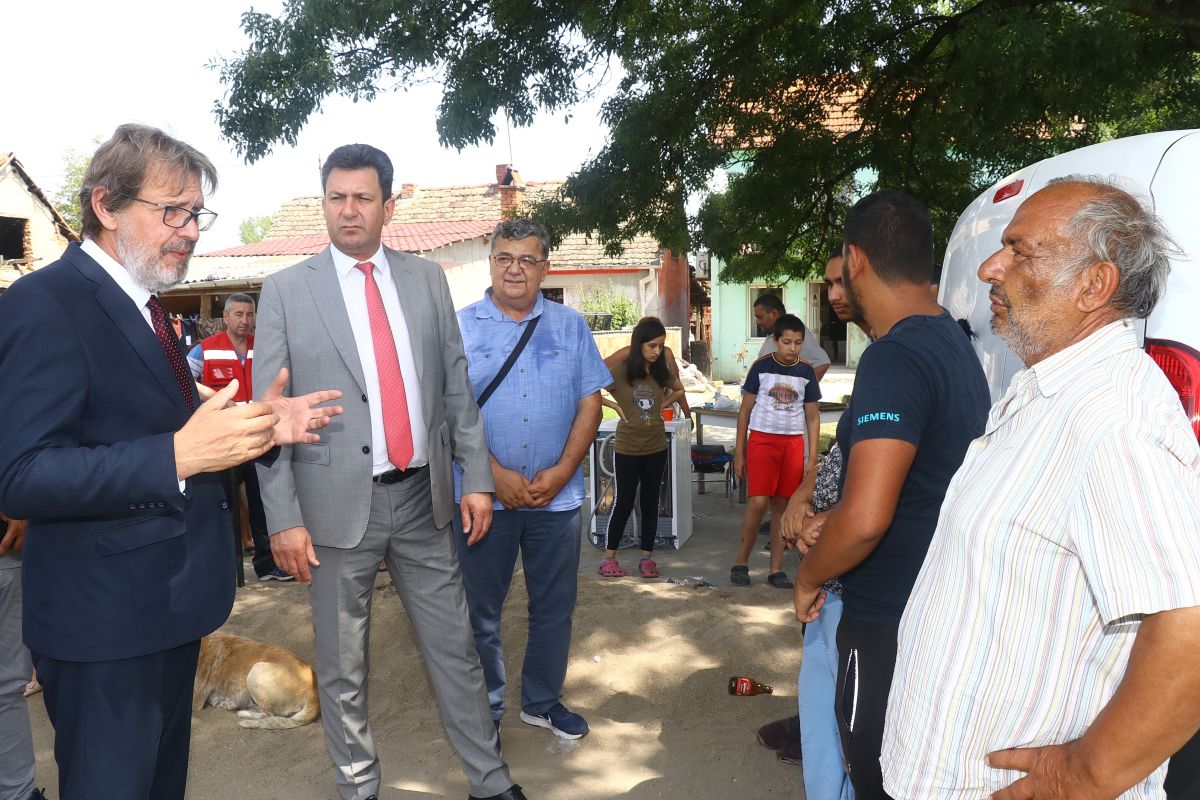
{"x":1048,"y":648}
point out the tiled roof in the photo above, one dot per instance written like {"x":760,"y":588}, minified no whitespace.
{"x":481,"y":201}
{"x":235,"y":268}
{"x":301,"y":216}
{"x":841,"y":115}
{"x":576,"y":252}
{"x":412,"y":237}
{"x":293,"y":246}
{"x":444,"y":206}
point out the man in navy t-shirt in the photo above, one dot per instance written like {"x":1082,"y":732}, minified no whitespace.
{"x":919,"y":399}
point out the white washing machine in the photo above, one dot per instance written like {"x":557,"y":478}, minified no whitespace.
{"x":674,"y":498}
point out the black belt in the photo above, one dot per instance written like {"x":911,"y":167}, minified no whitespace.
{"x":396,"y":475}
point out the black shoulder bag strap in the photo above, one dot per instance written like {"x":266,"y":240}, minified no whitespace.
{"x":512,"y":359}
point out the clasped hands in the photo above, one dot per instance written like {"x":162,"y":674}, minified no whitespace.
{"x":221,"y":435}
{"x":514,"y":490}
{"x":800,"y":527}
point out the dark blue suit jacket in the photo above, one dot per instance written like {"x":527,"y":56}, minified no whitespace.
{"x":118,"y":562}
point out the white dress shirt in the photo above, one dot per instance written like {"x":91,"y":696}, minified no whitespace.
{"x":354,"y":292}
{"x":138,"y":294}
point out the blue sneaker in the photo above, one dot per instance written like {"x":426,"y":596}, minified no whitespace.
{"x":564,"y":723}
{"x":275,"y":575}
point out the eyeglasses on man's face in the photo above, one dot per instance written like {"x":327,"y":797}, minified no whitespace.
{"x":505,"y":261}
{"x":176,"y":217}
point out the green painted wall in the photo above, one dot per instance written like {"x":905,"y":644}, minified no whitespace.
{"x":733,"y":348}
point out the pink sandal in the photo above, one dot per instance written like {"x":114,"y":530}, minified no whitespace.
{"x":609,"y":568}
{"x":648,"y":568}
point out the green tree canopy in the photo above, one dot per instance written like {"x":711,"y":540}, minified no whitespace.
{"x":938,"y":98}
{"x":66,"y":198}
{"x":254,"y":229}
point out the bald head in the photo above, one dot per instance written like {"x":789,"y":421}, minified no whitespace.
{"x":1108,"y":224}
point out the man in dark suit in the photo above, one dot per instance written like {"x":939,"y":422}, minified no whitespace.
{"x":380,"y":325}
{"x":108,"y":453}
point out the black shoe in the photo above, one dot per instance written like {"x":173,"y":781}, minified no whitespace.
{"x":739,"y":575}
{"x":38,"y":794}
{"x":779,"y":580}
{"x":775,"y":735}
{"x":790,"y":753}
{"x":511,"y":793}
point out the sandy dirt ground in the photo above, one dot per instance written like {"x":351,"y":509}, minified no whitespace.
{"x":649,"y":666}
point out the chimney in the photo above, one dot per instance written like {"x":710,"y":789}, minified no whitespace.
{"x":509,"y":184}
{"x":407,"y":191}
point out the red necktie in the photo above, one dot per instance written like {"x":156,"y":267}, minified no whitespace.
{"x":170,"y":346}
{"x":397,"y":428}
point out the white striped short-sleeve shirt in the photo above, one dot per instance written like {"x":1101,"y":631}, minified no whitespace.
{"x":1075,"y":514}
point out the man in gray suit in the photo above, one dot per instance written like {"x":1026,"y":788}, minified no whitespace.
{"x":380,"y":326}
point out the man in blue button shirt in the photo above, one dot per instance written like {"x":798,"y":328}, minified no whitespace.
{"x":540,"y":421}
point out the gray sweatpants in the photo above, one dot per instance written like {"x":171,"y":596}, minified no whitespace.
{"x":16,"y":740}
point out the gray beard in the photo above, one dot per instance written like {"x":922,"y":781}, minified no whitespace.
{"x":147,"y":268}
{"x":1026,"y":341}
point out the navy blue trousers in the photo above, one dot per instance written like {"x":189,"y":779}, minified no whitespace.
{"x":121,"y":728}
{"x":548,"y":542}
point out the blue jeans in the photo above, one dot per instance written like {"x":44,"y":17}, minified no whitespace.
{"x":825,"y":775}
{"x":549,"y":545}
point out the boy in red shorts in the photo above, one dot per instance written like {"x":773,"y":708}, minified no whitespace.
{"x":779,"y":404}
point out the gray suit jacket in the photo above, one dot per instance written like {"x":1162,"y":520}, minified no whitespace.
{"x":303,"y":325}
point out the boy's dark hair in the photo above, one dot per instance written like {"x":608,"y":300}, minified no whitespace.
{"x":360,"y":156}
{"x":895,"y":232}
{"x":771,"y":302}
{"x":636,"y":367}
{"x":789,"y":322}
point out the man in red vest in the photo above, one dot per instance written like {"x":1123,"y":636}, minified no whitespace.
{"x":216,"y":362}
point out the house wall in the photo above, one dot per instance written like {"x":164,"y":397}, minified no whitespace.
{"x":467,"y":269}
{"x":16,"y":201}
{"x":674,"y":295}
{"x":575,"y":284}
{"x":734,"y":349}
{"x":609,"y":342}
{"x":469,"y":274}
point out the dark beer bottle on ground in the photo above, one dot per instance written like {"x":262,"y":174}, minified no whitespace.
{"x":747,"y":686}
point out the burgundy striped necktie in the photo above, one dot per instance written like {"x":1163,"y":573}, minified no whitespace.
{"x":170,"y":346}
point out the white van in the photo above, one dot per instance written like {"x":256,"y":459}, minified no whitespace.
{"x":1164,"y":167}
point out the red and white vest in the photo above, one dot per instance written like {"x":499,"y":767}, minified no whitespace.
{"x":221,"y":365}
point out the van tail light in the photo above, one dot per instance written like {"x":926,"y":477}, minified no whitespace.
{"x":1182,"y":367}
{"x":1008,"y":190}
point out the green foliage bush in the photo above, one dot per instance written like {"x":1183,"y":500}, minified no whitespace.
{"x":607,"y":299}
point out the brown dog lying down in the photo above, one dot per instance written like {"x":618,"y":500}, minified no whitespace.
{"x":268,"y":686}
